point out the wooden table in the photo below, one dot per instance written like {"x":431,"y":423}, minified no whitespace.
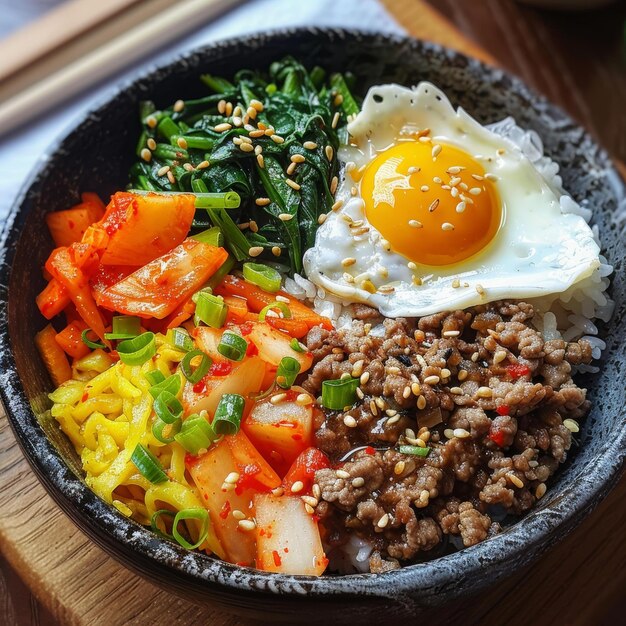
{"x":578,"y":62}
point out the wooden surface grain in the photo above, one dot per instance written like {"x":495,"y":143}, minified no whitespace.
{"x":577,"y":62}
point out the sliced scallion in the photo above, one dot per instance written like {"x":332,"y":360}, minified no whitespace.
{"x":124,"y":327}
{"x":155,"y":377}
{"x":296,"y":346}
{"x":159,"y":427}
{"x":94,"y":345}
{"x":154,"y":522}
{"x":168,"y":407}
{"x":138,"y":350}
{"x":201,"y":515}
{"x":171,"y":384}
{"x":414,"y":450}
{"x":212,"y":236}
{"x":288,"y":370}
{"x":265,"y":277}
{"x":210,"y":309}
{"x":197,"y":373}
{"x":232,"y":346}
{"x":196,"y":434}
{"x":228,"y":414}
{"x":281,"y":306}
{"x":180,"y":339}
{"x":338,"y":394}
{"x":148,"y":465}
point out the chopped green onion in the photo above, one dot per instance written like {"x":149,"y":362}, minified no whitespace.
{"x":201,"y":515}
{"x":414,"y":450}
{"x":148,"y":465}
{"x":168,"y":127}
{"x":194,"y":142}
{"x":138,"y":350}
{"x":338,"y":394}
{"x":212,"y":236}
{"x":180,"y":339}
{"x":288,"y":370}
{"x":94,"y":345}
{"x":168,"y":407}
{"x":155,"y":377}
{"x":281,"y":306}
{"x":171,"y":384}
{"x":154,"y":522}
{"x":197,"y":374}
{"x":228,"y":414}
{"x":124,"y":327}
{"x":232,"y":346}
{"x":210,"y":309}
{"x":196,"y":434}
{"x":263,"y":276}
{"x":173,"y":429}
{"x":204,"y":199}
{"x":296,"y":345}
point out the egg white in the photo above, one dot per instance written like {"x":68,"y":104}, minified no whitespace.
{"x":539,"y":249}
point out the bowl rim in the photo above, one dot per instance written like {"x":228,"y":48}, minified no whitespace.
{"x":80,"y":503}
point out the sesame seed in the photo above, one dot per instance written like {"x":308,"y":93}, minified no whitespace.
{"x":406,"y":392}
{"x":380,"y":403}
{"x":480,"y":290}
{"x":348,"y":261}
{"x":269,"y":132}
{"x":393,"y":370}
{"x":364,"y":378}
{"x":303,"y":399}
{"x":309,"y":145}
{"x":416,"y":389}
{"x":392,"y":420}
{"x":475,"y":191}
{"x":256,"y":133}
{"x":170,"y":177}
{"x":337,"y":205}
{"x":424,"y":139}
{"x":456,"y":283}
{"x":474,"y":357}
{"x":317,"y":491}
{"x":454,"y":192}
{"x":349,"y":421}
{"x":455,"y":169}
{"x":151,"y":143}
{"x":373,"y":408}
{"x":297,"y":486}
{"x":260,"y":160}
{"x":237,"y":140}
{"x":353,"y":191}
{"x":342,"y":474}
{"x":250,"y":113}
{"x":262,"y":201}
{"x":188,"y":167}
{"x":415,"y":224}
{"x":182,"y":143}
{"x":460,"y":207}
{"x":571,"y":425}
{"x":163,"y":170}
{"x":221,"y":107}
{"x":237,"y":121}
{"x":456,"y":391}
{"x":202,"y":165}
{"x":338,"y":100}
{"x":276,"y":251}
{"x":424,"y":188}
{"x":399,"y":468}
{"x":348,"y":277}
{"x":232,"y":478}
{"x":221,"y":128}
{"x":285,"y":217}
{"x":291,"y":168}
{"x":258,"y":149}
{"x":383,"y":521}
{"x":297,"y":158}
{"x":254,"y":226}
{"x":484,"y":392}
{"x":540,"y":491}
{"x":462,"y":375}
{"x":357,"y":368}
{"x":433,"y":205}
{"x":293,"y":184}
{"x":151,"y":121}
{"x":335,"y":119}
{"x":278,"y":398}
{"x":310,"y":500}
{"x":446,"y":373}
{"x":499,"y":356}
{"x":255,"y":251}
{"x":309,"y":509}
{"x":491,"y":177}
{"x":477,"y":177}
{"x":359,"y":393}
{"x":447,"y":226}
{"x":385,"y":244}
{"x":246,"y":147}
{"x":451,"y":333}
{"x":357,"y":482}
{"x":277,"y":138}
{"x":238,"y":515}
{"x":432,"y":380}
{"x":228,"y":109}
{"x":179,"y":105}
{"x":461,"y":433}
{"x":146,"y":155}
{"x":247,"y":524}
{"x":515,"y":480}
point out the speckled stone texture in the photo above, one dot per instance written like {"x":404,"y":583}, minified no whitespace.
{"x":96,"y":156}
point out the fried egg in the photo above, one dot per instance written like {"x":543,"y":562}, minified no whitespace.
{"x":436,"y":212}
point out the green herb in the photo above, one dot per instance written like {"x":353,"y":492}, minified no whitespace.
{"x":228,"y":414}
{"x":296,"y":346}
{"x":171,"y":384}
{"x":196,"y":434}
{"x":124,"y":327}
{"x":138,"y":350}
{"x":155,"y":377}
{"x":179,"y":338}
{"x":288,"y":370}
{"x":94,"y":345}
{"x":281,"y":306}
{"x":148,"y":465}
{"x":194,"y":375}
{"x":168,"y":407}
{"x":299,"y":107}
{"x":232,"y":346}
{"x":338,"y":394}
{"x":212,"y":236}
{"x":414,"y":450}
{"x":263,"y":276}
{"x":201,"y":515}
{"x":210,"y":309}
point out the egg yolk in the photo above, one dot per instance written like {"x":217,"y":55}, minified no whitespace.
{"x":431,"y":202}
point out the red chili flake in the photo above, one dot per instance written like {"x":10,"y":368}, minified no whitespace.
{"x":497,"y":436}
{"x":85,"y":397}
{"x":247,"y":479}
{"x":503,"y":409}
{"x":220,"y":368}
{"x":297,"y":437}
{"x":286,"y":550}
{"x":225,"y":510}
{"x":246,"y":328}
{"x":200,"y":386}
{"x":369,"y":450}
{"x":277,"y":560}
{"x":251,"y":350}
{"x":517,"y":370}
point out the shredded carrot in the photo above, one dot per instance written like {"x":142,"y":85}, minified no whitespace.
{"x":71,"y":341}
{"x":53,"y":356}
{"x":53,"y":299}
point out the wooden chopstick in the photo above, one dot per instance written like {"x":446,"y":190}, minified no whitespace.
{"x":115,"y":54}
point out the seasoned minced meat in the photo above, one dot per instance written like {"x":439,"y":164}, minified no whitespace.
{"x":479,"y":388}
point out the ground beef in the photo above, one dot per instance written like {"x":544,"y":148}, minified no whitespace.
{"x":480,"y":389}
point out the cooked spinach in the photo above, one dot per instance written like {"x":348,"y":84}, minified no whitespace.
{"x":271,"y":137}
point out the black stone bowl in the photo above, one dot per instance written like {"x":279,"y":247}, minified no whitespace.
{"x":96,"y":156}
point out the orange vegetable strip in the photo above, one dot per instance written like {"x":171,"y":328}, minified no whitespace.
{"x":53,"y":299}
{"x":295,"y":328}
{"x":94,"y":199}
{"x":53,"y":356}
{"x":71,"y":341}
{"x":258,"y":299}
{"x":181,"y":314}
{"x":69,"y":226}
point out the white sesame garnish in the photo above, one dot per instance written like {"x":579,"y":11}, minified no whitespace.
{"x":433,"y":205}
{"x":460,"y":207}
{"x":335,"y":119}
{"x":456,"y":283}
{"x":415,"y":224}
{"x":276,"y":251}
{"x":262,"y":201}
{"x":221,"y":128}
{"x":447,"y":226}
{"x":293,"y":184}
{"x":285,"y":217}
{"x":348,"y":261}
{"x":146,"y":155}
{"x":477,"y":177}
{"x":491,"y":177}
{"x":309,"y":145}
{"x":179,"y":105}
{"x":480,"y":289}
{"x":475,"y":191}
{"x":424,"y":187}
{"x":255,"y":251}
{"x":436,"y":150}
{"x":413,"y":170}
{"x":297,"y":158}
